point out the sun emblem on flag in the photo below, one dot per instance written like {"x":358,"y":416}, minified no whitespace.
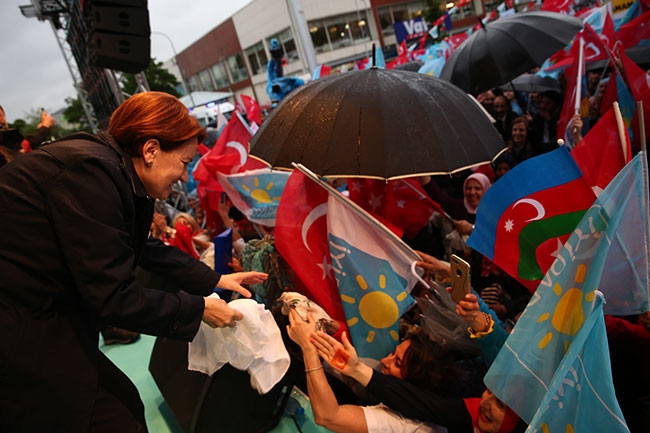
{"x":568,"y":316}
{"x":261,"y":195}
{"x":373,"y":297}
{"x":376,"y":308}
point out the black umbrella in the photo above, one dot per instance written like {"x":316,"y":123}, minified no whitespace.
{"x":412,"y":66}
{"x":508,"y":47}
{"x":377,"y":123}
{"x":535,"y":83}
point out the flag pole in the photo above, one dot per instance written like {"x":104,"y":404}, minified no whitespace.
{"x":644,"y":172}
{"x":639,"y":109}
{"x":360,"y":211}
{"x":621,"y":129}
{"x":578,"y":98}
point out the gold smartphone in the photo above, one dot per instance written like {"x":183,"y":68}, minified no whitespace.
{"x":460,"y":278}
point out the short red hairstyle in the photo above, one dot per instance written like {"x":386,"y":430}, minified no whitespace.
{"x":150,"y":115}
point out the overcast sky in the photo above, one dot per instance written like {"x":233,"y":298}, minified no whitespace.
{"x":34,"y":73}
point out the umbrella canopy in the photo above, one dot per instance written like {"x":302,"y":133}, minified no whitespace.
{"x":535,"y":83}
{"x":508,"y":47}
{"x":377,"y":123}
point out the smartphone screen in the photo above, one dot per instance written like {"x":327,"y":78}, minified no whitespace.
{"x":460,"y":278}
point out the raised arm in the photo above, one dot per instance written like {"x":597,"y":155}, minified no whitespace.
{"x":327,"y":411}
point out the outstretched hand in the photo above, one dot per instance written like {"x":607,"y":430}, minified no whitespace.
{"x":343,"y":356}
{"x":234,"y":281}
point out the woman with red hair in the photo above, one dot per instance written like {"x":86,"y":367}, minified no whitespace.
{"x":77,"y":217}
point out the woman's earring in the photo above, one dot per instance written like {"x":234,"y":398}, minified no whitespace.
{"x":148,"y":163}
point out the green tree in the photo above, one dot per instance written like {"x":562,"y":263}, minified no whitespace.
{"x":433,"y":10}
{"x":159,"y":79}
{"x":29,"y":126}
{"x":75,"y":114}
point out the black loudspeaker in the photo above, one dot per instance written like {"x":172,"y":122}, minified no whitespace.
{"x":122,"y":20}
{"x":120,"y":52}
{"x":119,"y":34}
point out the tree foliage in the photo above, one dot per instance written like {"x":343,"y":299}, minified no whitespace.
{"x":33,"y":118}
{"x":433,"y":10}
{"x":75,"y":114}
{"x":159,"y":79}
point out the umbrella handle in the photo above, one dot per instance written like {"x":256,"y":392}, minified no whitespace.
{"x":419,"y":278}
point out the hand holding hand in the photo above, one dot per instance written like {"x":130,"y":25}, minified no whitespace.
{"x":300,"y":331}
{"x":234,"y":281}
{"x":218,"y":314}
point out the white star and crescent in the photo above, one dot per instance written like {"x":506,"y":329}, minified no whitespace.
{"x":311,"y":218}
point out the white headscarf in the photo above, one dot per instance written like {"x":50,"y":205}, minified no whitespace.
{"x":485,"y":183}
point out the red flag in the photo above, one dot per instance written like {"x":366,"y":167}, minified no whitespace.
{"x":632,"y":32}
{"x":455,"y":40}
{"x":229,"y":155}
{"x":402,"y":56}
{"x":253,"y":110}
{"x":639,"y":84}
{"x":593,"y":48}
{"x":600,"y":155}
{"x":370,"y":195}
{"x":301,"y":239}
{"x":401,"y":202}
{"x":560,"y":6}
{"x":610,"y":95}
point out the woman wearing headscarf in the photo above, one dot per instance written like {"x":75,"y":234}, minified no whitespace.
{"x":77,"y":214}
{"x":460,"y":210}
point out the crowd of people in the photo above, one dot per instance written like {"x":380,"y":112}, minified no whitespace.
{"x":92,"y":210}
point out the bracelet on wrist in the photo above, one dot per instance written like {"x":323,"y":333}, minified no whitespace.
{"x":309,"y":370}
{"x":488,"y":327}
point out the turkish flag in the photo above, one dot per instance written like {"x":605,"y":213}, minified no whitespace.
{"x":301,"y":239}
{"x":229,"y":155}
{"x":253,"y":110}
{"x":401,"y":202}
{"x":632,"y":32}
{"x":600,"y":155}
{"x":639,"y":85}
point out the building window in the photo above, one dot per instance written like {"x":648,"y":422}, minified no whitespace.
{"x":237,"y":68}
{"x":193,"y":82}
{"x":206,"y":81}
{"x":388,"y":15}
{"x":289,"y":48}
{"x":319,"y":36}
{"x":257,"y":59}
{"x":220,"y":75}
{"x":339,"y":31}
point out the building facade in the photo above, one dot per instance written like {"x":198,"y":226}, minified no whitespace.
{"x":233,"y":56}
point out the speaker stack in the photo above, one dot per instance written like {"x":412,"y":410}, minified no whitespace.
{"x":119,"y":34}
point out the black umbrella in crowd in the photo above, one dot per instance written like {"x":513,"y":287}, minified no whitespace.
{"x":508,"y":47}
{"x":535,"y":83}
{"x":377,"y":123}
